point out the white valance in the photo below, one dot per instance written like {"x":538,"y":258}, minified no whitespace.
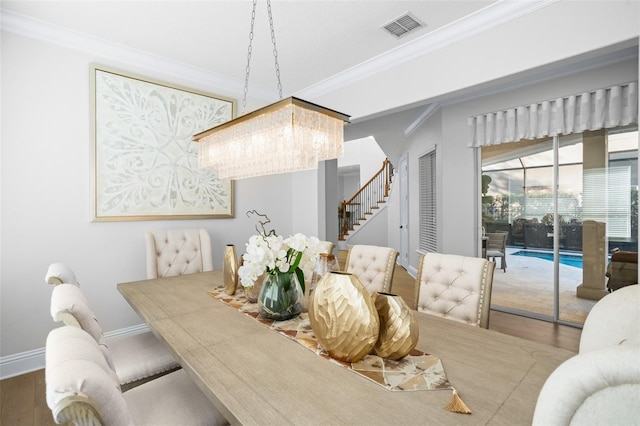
{"x":602,"y":108}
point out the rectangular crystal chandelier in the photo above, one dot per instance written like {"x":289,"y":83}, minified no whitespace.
{"x":287,"y":136}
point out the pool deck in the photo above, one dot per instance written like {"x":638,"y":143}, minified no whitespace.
{"x":527,"y":285}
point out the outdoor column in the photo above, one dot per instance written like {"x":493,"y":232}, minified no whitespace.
{"x":594,"y":240}
{"x":594,"y":235}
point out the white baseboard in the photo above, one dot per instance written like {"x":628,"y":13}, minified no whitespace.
{"x":25,"y":362}
{"x":413,"y":271}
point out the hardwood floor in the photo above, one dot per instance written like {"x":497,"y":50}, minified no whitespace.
{"x":23,"y":401}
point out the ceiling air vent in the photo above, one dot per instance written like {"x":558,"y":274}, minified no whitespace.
{"x":404,"y":24}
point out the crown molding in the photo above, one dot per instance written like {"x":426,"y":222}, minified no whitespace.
{"x":489,"y":17}
{"x":431,"y":109}
{"x":53,"y":34}
{"x":482,"y":20}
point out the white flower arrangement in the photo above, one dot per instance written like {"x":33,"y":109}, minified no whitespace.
{"x":268,"y":253}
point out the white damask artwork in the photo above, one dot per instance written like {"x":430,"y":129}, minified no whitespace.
{"x":146,"y":164}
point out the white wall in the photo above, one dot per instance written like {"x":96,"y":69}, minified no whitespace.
{"x":456,"y":172}
{"x":350,"y":185}
{"x":371,"y":158}
{"x":45,"y":162}
{"x":46,"y":196}
{"x":374,"y":231}
{"x":425,"y":139}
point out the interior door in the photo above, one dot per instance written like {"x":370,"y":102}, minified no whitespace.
{"x":404,"y":209}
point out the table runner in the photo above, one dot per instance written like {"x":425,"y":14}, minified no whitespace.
{"x":416,"y":371}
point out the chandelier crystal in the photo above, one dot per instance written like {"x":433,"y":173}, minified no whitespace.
{"x":287,"y":136}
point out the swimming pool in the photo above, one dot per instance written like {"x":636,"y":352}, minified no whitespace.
{"x":566,"y":259}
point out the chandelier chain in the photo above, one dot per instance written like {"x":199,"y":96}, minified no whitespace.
{"x":275,"y":49}
{"x":250,"y":49}
{"x":248,"y":68}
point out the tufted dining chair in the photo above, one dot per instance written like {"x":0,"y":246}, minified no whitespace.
{"x":373,"y":266}
{"x":326,"y":247}
{"x":455,"y":287}
{"x":81,"y":388}
{"x":59,"y":273}
{"x":177,"y":252}
{"x":135,"y":358}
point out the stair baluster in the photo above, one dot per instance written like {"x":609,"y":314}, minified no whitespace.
{"x":374,"y":192}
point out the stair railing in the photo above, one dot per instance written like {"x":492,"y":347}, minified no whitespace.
{"x":372,"y":193}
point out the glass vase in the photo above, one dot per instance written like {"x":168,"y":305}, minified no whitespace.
{"x":280,"y":297}
{"x":253,"y":291}
{"x":325,"y":263}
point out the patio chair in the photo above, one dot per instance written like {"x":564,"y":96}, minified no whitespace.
{"x":497,"y":247}
{"x":622,"y":270}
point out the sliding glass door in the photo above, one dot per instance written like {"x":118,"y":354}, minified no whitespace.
{"x":566,"y":203}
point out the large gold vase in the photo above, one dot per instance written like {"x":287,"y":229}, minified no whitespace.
{"x":343,"y":317}
{"x":230,"y":269}
{"x":399,"y":331}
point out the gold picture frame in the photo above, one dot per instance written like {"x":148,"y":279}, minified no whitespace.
{"x":145,"y":163}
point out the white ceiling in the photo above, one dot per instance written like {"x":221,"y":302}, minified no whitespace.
{"x":315,"y":39}
{"x":333,"y":52}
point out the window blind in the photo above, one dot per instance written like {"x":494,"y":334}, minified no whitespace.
{"x":428,"y":224}
{"x":610,"y":204}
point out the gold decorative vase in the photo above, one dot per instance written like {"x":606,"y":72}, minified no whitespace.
{"x":343,"y":317}
{"x":230,"y":269}
{"x":398,"y":327}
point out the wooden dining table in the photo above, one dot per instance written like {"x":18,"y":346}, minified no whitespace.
{"x":254,"y":375}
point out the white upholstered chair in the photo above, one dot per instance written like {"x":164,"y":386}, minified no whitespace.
{"x":373,"y":266}
{"x":59,"y":273}
{"x":135,"y":358}
{"x":598,"y":387}
{"x":615,"y":319}
{"x":83,"y":389}
{"x":326,"y":247}
{"x":497,"y":247}
{"x":177,"y":252}
{"x":455,"y":287}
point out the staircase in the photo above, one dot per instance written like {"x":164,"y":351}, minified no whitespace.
{"x":368,"y":198}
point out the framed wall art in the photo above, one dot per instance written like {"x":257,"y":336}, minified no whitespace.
{"x":145,"y":163}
